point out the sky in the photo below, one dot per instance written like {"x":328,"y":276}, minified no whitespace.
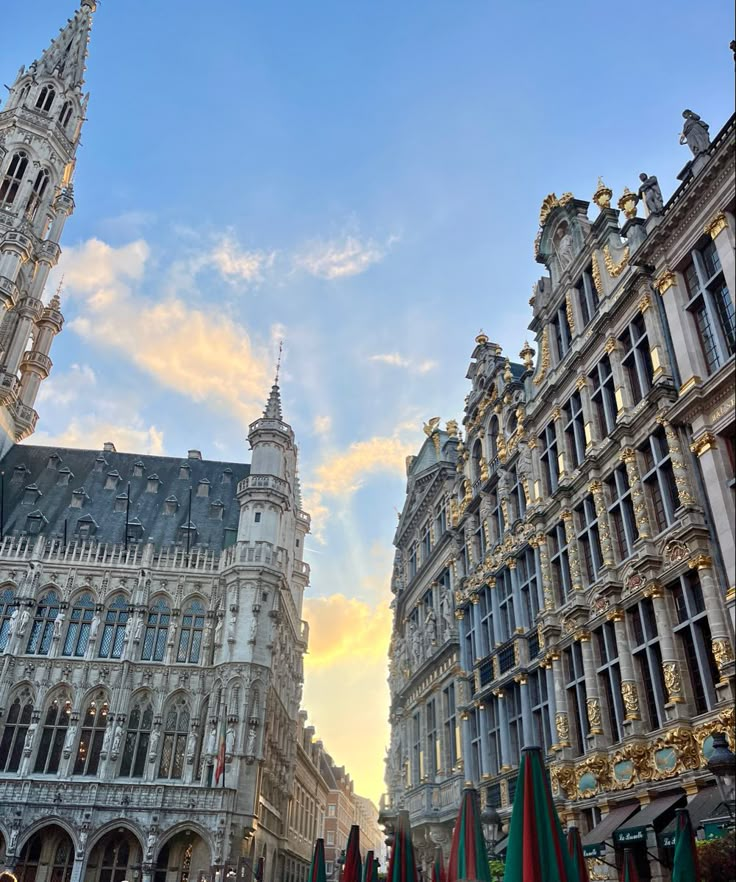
{"x":363,"y":181}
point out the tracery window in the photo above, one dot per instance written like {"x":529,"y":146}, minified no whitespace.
{"x":475,"y":766}
{"x":173,"y":749}
{"x":487,"y":642}
{"x":61,"y":870}
{"x":710,"y":304}
{"x":53,"y":735}
{"x":433,"y":743}
{"x":65,"y":113}
{"x":13,"y":178}
{"x":45,"y":98}
{"x":137,"y":739}
{"x":526,"y":571}
{"x":507,"y":613}
{"x":16,"y":726}
{"x":93,"y":725}
{"x":114,"y":864}
{"x":113,"y":632}
{"x":190,"y":635}
{"x":157,"y":629}
{"x":80,"y":621}
{"x":40,"y":186}
{"x":7,"y":601}
{"x":493,"y":735}
{"x":42,"y":629}
{"x":512,"y":701}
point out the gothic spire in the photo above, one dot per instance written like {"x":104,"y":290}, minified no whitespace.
{"x":273,"y":405}
{"x":66,"y":55}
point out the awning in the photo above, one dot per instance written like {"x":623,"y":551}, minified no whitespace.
{"x":635,"y":829}
{"x":705,"y":804}
{"x":594,"y":841}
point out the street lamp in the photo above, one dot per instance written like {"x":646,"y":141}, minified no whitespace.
{"x":722,"y":764}
{"x":340,"y":863}
{"x":491,"y":821}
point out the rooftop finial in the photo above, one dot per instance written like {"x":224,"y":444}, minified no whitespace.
{"x":278,"y":362}
{"x":55,"y":302}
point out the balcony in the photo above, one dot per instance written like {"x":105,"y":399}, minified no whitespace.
{"x":264,"y":482}
{"x":42,"y":363}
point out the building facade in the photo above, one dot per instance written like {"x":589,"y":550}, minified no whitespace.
{"x":588,"y":549}
{"x":150,"y":606}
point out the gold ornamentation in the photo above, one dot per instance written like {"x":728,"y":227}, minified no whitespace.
{"x":627,"y":203}
{"x":644,"y":303}
{"x":717,"y":225}
{"x":594,"y":716}
{"x":551,"y":202}
{"x":679,"y":468}
{"x":700,"y":562}
{"x":481,"y":339}
{"x":665,"y":281}
{"x":451,"y":426}
{"x":672,"y":681}
{"x":675,"y":551}
{"x":484,"y":471}
{"x":569,"y":312}
{"x":703,"y":443}
{"x":610,"y":345}
{"x":597,"y":280}
{"x":527,"y":354}
{"x":722,"y":652}
{"x":689,"y":384}
{"x":615,"y":269}
{"x":563,"y":780}
{"x":602,"y":196}
{"x":581,"y":383}
{"x":631,"y":700}
{"x":544,"y":359}
{"x":507,"y":375}
{"x":599,"y":766}
{"x":562,"y":725}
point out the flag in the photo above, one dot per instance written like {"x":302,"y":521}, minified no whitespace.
{"x":220,"y":767}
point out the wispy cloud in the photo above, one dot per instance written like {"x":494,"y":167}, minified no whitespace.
{"x":394,"y":359}
{"x":322,"y":424}
{"x":236,"y":264}
{"x":204,"y":355}
{"x":341,"y":257}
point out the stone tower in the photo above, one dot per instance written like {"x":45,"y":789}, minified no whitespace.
{"x":39,"y":134}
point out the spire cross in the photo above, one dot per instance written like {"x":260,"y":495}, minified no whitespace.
{"x":278,"y":362}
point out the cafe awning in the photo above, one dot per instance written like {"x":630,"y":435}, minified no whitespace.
{"x":594,"y":841}
{"x":635,"y":828}
{"x":706,"y":804}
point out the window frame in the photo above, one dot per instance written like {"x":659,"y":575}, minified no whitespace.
{"x":703,"y":290}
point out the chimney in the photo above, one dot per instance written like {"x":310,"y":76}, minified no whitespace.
{"x":194,"y":454}
{"x":109,"y":447}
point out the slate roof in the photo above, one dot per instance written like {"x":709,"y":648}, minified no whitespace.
{"x":43,"y":482}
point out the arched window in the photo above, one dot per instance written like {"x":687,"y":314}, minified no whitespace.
{"x":14,"y":734}
{"x":157,"y":629}
{"x":137,"y":738}
{"x":77,"y":635}
{"x":24,"y":93}
{"x":63,"y":861}
{"x":66,"y":113}
{"x":40,"y":185}
{"x":45,"y":99}
{"x":91,"y":738}
{"x":114,"y":865}
{"x":492,"y":440}
{"x":27,"y":866}
{"x":176,"y":729}
{"x":53,"y":735}
{"x":190,"y":637}
{"x":42,"y":629}
{"x":7,"y":599}
{"x":13,"y":178}
{"x":113,"y":634}
{"x":476,"y":458}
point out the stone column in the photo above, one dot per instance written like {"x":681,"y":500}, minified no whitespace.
{"x":641,"y":515}
{"x":485,"y":759}
{"x":78,"y":866}
{"x":561,"y":448}
{"x":475,"y":613}
{"x":671,"y":668}
{"x":682,"y":476}
{"x":535,"y":488}
{"x":623,"y":395}
{"x":503,"y":718}
{"x":496,"y":610}
{"x":467,"y":663}
{"x":721,"y":230}
{"x":604,"y":528}
{"x":629,"y":687}
{"x":542,"y":554}
{"x":593,"y":701}
{"x":465,"y":740}
{"x":515,"y":599}
{"x":655,"y":335}
{"x":562,"y":718}
{"x":552,"y":706}
{"x":572,"y":549}
{"x":526,"y":710}
{"x":721,"y":638}
{"x":590,"y":424}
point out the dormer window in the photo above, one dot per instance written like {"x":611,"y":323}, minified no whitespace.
{"x":31,"y":495}
{"x":203,"y":488}
{"x":121,"y":502}
{"x":184,"y":472}
{"x":187,"y":530}
{"x":138,"y":469}
{"x":13,"y":178}
{"x":45,"y":99}
{"x":53,"y":461}
{"x":171,"y":506}
{"x":111,"y":482}
{"x":66,"y":113}
{"x":135,"y":530}
{"x":216,"y":510}
{"x":65,"y":476}
{"x":86,"y":527}
{"x":78,"y":497}
{"x":19,"y":473}
{"x":35,"y":522}
{"x":100,"y":463}
{"x":227,"y":476}
{"x":153,"y":482}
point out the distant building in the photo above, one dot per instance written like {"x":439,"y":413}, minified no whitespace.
{"x":150,"y":606}
{"x":371,"y":835}
{"x":581,"y":535}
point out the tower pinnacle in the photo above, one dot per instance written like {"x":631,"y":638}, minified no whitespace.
{"x":273,"y":405}
{"x":66,"y":55}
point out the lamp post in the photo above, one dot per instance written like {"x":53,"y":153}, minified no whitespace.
{"x":491,"y":821}
{"x":340,"y":864}
{"x":722,"y":763}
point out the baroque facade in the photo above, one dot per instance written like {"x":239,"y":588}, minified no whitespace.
{"x":150,"y":607}
{"x":565,"y":568}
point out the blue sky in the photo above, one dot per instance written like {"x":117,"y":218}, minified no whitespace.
{"x":363,"y":179}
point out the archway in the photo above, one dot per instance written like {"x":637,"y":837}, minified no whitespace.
{"x":116,"y":857}
{"x":185,"y":857}
{"x":48,"y":856}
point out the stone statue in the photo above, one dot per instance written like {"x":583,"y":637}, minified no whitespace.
{"x":218,"y":631}
{"x":12,"y":623}
{"x":117,"y":738}
{"x":504,"y":482}
{"x":250,"y":747}
{"x":83,"y":834}
{"x":93,"y":629}
{"x":232,"y":625}
{"x":13,"y":841}
{"x":30,"y":735}
{"x":446,"y":611}
{"x":650,"y":193}
{"x":230,"y":739}
{"x":58,"y":622}
{"x":107,"y":738}
{"x":25,"y":617}
{"x":150,"y":845}
{"x":695,"y":133}
{"x":153,"y":744}
{"x":212,"y":741}
{"x":430,"y":628}
{"x":564,"y":247}
{"x":416,"y":645}
{"x":71,"y":734}
{"x":138,"y":630}
{"x":191,"y":746}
